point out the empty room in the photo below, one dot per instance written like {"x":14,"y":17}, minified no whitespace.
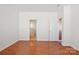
{"x":39,"y":29}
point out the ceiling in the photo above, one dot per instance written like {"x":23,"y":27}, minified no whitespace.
{"x":32,"y":7}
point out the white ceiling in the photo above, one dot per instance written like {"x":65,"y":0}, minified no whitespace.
{"x":40,"y":7}
{"x":32,"y":7}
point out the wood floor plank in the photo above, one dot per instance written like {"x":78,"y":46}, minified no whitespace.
{"x":39,"y":48}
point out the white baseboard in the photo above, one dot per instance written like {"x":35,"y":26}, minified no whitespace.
{"x":69,"y":44}
{"x":39,"y":40}
{"x":6,"y":46}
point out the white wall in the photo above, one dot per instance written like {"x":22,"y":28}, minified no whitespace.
{"x":75,"y":26}
{"x":67,"y":26}
{"x":71,"y":29}
{"x":44,"y":19}
{"x":8,"y":26}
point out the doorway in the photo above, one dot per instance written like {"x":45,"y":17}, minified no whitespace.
{"x":32,"y":30}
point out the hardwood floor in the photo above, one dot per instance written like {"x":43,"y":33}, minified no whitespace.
{"x":39,"y":48}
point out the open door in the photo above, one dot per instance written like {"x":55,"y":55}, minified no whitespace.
{"x":33,"y":30}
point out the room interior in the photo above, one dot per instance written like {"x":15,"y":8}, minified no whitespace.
{"x":39,"y":29}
